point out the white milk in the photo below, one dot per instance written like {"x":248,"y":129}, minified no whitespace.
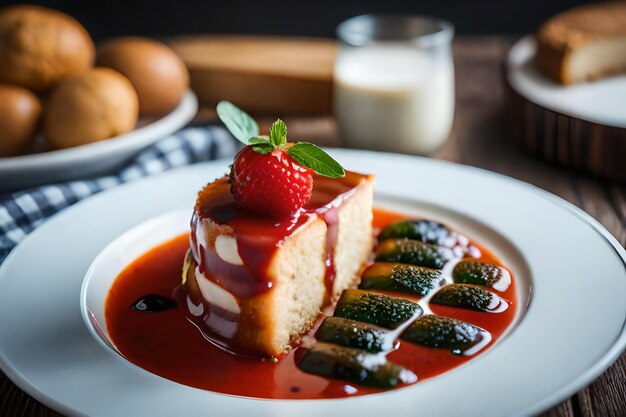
{"x":394,"y":98}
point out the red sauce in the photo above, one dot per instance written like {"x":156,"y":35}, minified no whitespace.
{"x":169,"y":345}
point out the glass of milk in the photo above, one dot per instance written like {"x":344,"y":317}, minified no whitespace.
{"x":394,"y":83}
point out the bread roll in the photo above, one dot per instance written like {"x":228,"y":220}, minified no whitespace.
{"x":20,"y":112}
{"x":157,"y":73}
{"x":39,"y":47}
{"x":96,"y":105}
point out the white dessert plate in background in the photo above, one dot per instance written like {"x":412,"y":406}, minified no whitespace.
{"x":93,"y":158}
{"x":601,"y":101}
{"x":572,"y":330}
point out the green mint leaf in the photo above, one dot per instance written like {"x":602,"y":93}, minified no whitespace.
{"x":278,"y":133}
{"x":310,"y":156}
{"x":261,"y":144}
{"x":254,"y":140}
{"x":237,"y":121}
{"x":263,"y":148}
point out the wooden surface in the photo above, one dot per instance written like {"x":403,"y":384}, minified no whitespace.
{"x":479,"y":138}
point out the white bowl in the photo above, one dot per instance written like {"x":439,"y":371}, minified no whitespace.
{"x":122,"y":251}
{"x":117,"y":256}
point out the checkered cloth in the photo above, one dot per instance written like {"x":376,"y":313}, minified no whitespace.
{"x":21,"y":212}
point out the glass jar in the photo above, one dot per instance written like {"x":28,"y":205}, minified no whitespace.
{"x":394,"y":83}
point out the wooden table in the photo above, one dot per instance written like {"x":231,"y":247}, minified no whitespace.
{"x":479,"y":138}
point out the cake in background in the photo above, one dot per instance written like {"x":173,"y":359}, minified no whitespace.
{"x":583,"y":44}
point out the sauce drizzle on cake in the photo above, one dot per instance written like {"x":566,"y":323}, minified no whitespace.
{"x":258,"y":237}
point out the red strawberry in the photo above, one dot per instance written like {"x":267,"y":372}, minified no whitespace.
{"x":272,"y":183}
{"x":271,"y":175}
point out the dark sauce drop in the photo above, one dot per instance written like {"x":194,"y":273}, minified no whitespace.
{"x":153,"y":303}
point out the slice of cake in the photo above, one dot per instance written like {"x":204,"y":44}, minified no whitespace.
{"x":275,"y":242}
{"x":263,"y":283}
{"x":584,"y":43}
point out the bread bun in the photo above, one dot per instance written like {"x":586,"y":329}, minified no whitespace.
{"x":157,"y":73}
{"x":96,"y":105}
{"x":39,"y":47}
{"x":20,"y":111}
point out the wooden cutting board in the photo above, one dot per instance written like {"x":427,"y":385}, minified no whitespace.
{"x":263,"y":75}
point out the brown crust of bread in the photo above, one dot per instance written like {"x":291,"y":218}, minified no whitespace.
{"x":551,"y":60}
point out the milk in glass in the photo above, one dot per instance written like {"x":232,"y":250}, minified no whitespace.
{"x":395,"y":96}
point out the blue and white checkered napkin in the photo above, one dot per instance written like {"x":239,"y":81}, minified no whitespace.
{"x":21,"y":212}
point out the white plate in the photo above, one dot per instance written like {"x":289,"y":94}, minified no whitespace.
{"x":602,"y":101}
{"x":94,"y":158}
{"x":573,"y":329}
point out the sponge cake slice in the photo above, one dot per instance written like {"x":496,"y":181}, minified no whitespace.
{"x":256,"y":284}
